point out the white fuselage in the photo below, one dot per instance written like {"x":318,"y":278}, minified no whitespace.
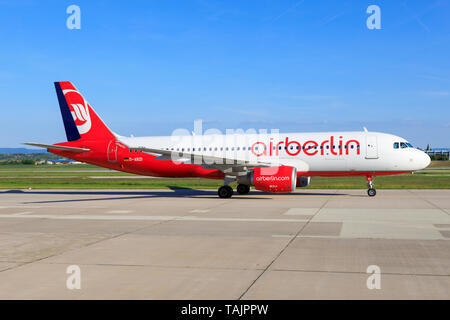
{"x":308,"y":152}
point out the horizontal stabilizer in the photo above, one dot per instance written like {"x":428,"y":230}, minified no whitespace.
{"x":52,"y":146}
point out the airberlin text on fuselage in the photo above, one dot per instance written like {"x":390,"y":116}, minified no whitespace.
{"x":310,"y":147}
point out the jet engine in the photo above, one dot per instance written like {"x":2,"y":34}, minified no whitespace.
{"x":271,"y":179}
{"x":303,"y":181}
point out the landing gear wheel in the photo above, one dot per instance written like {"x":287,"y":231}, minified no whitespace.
{"x":225,"y":192}
{"x":243,"y":189}
{"x":371,"y":192}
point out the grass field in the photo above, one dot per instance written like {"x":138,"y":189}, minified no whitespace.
{"x":437,"y":176}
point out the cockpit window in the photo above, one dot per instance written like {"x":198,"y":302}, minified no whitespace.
{"x":402,"y":145}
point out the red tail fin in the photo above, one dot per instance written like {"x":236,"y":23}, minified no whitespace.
{"x":80,"y":120}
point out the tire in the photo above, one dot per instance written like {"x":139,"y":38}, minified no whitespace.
{"x":243,"y":189}
{"x":225,"y":192}
{"x":371,"y":192}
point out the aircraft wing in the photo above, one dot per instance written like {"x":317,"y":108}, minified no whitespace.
{"x":56,"y":147}
{"x":226,"y":165}
{"x":229,"y":166}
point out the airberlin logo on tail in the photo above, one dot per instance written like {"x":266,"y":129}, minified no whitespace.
{"x":80,"y":110}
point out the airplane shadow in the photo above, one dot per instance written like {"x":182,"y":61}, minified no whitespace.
{"x":174,"y":192}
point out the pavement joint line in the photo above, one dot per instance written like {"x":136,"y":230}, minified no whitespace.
{"x":283,"y":249}
{"x":359,"y":238}
{"x":153,"y":266}
{"x":147,"y":218}
{"x":84,"y":246}
{"x":237,"y":269}
{"x":362,"y":272}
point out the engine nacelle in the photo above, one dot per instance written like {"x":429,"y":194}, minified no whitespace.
{"x":303,"y":182}
{"x":271,"y":179}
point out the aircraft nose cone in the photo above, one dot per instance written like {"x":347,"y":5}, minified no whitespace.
{"x":424,"y":160}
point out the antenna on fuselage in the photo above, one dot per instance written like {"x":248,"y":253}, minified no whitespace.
{"x":365,"y":129}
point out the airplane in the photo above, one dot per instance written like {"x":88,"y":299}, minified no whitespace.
{"x":270,"y":162}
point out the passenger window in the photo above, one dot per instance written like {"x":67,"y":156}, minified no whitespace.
{"x":395,"y":145}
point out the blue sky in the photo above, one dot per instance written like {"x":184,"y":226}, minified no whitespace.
{"x":154,"y":66}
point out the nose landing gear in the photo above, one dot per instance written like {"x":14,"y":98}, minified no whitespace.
{"x":371,"y":191}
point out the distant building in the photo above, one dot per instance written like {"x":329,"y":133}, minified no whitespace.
{"x":438,"y":152}
{"x":62,"y":161}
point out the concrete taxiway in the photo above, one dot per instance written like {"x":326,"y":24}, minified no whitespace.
{"x":189,"y":244}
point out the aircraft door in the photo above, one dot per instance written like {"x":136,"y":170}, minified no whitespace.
{"x":112,"y":151}
{"x":371,"y":147}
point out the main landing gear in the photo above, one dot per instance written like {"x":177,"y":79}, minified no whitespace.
{"x":226,"y":191}
{"x":371,"y":191}
{"x":243,"y":189}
